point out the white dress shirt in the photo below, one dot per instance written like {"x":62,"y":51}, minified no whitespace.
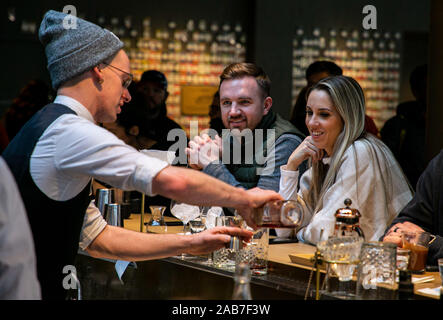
{"x":360,"y":179}
{"x":73,"y":149}
{"x":18,"y":271}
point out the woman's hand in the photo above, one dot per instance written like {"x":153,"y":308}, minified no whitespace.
{"x":305,"y":150}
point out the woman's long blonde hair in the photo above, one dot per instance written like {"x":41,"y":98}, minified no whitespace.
{"x":348,"y":98}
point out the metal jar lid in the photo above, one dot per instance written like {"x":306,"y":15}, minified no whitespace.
{"x":347,"y":215}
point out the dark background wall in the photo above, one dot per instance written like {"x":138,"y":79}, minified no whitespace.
{"x":24,"y":55}
{"x":276,"y":22}
{"x":270,"y":26}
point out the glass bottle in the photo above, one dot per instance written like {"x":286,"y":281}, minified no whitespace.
{"x":242,"y":278}
{"x":279,"y":214}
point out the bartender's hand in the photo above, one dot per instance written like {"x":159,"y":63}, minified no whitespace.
{"x":216,"y":238}
{"x":203,"y":150}
{"x":307,"y":149}
{"x":394,"y":234}
{"x":257,"y":198}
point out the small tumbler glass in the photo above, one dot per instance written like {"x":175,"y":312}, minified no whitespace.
{"x":225,"y":258}
{"x":255,"y":252}
{"x":376,"y":274}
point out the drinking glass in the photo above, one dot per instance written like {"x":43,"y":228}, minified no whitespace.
{"x":184,"y":212}
{"x":157,"y":222}
{"x":197,"y":225}
{"x":225,"y":258}
{"x":403,"y":259}
{"x":255,"y":252}
{"x":342,"y":255}
{"x":417,"y":242}
{"x":376,"y":274}
{"x":209,"y":216}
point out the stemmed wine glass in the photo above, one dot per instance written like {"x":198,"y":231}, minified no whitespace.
{"x":184,"y":213}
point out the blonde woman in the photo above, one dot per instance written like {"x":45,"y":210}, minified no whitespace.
{"x":345,"y":162}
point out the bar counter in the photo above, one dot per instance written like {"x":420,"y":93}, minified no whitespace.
{"x":193,"y":278}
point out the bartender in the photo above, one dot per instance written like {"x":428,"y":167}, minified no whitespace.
{"x":57,"y":153}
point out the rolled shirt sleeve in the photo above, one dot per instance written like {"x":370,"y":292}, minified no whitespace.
{"x":93,"y":225}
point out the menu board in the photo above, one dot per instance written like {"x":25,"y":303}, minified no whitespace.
{"x":370,"y":57}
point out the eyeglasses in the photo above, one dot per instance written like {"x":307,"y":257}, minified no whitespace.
{"x":126,"y":82}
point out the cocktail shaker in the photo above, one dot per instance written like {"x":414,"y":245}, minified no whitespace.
{"x":103,"y":197}
{"x":113,"y":215}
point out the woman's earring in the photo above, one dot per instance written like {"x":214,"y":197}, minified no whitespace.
{"x":101,"y":81}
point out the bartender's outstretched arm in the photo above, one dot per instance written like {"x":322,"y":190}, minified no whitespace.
{"x":192,"y":187}
{"x":195,"y":187}
{"x":122,"y":244}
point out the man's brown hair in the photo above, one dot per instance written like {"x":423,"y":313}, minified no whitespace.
{"x":243,"y":69}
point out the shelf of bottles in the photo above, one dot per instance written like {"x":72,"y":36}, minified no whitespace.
{"x":193,"y":54}
{"x":370,"y":57}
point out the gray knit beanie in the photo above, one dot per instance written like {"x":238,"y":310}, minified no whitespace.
{"x":70,"y":52}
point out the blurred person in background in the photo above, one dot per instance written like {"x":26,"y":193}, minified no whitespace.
{"x":405,"y":133}
{"x":130,"y":125}
{"x":315,"y":72}
{"x":216,"y":122}
{"x":424,"y":212}
{"x":31,"y":98}
{"x":133,"y":127}
{"x":4,"y":140}
{"x":150,"y":96}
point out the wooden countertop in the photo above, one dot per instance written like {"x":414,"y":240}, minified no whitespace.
{"x":133,"y":223}
{"x":286,"y":253}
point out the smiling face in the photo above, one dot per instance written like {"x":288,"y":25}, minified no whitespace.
{"x":322,"y":120}
{"x":242,"y":103}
